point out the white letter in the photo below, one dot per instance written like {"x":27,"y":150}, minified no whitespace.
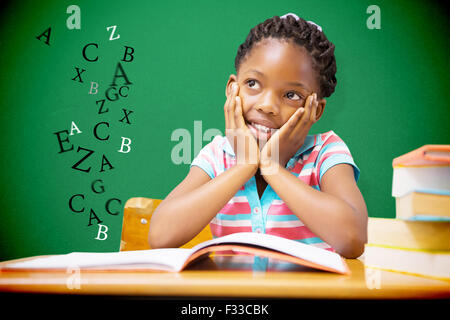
{"x":112,"y":33}
{"x":93,"y":87}
{"x":197,"y":137}
{"x":74,"y":21}
{"x":125,"y":144}
{"x":210,"y":134}
{"x":374,"y":21}
{"x":74,"y":127}
{"x":373,"y":278}
{"x":184,"y":145}
{"x":74,"y":280}
{"x":269,"y":167}
{"x":100,"y":231}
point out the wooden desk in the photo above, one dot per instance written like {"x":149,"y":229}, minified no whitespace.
{"x":231,"y":276}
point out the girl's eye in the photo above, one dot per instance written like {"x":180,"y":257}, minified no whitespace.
{"x":292,"y":94}
{"x":251,"y":83}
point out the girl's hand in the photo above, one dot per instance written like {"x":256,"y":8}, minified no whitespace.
{"x":291,"y":136}
{"x":238,"y":134}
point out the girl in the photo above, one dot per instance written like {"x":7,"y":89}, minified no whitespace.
{"x":268,"y":175}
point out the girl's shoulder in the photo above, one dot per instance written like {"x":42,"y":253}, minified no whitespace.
{"x":319,"y":140}
{"x":220,"y":143}
{"x":217,"y":142}
{"x":326,"y":138}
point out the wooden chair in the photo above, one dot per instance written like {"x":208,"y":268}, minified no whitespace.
{"x":136,"y":224}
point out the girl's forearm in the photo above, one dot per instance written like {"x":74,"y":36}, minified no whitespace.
{"x":178,"y":220}
{"x":329,"y":217}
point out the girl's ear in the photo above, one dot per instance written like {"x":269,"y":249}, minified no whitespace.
{"x":232,"y":79}
{"x":320,"y":108}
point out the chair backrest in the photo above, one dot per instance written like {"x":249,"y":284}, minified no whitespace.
{"x":136,"y":224}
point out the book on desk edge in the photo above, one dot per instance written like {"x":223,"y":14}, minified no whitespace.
{"x":177,"y":259}
{"x":429,"y":263}
{"x":411,"y":234}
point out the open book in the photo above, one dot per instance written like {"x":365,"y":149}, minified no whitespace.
{"x":176,"y":259}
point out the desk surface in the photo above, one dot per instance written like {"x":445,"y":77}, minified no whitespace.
{"x":231,"y":276}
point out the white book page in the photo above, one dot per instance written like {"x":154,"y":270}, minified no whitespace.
{"x":294,"y":248}
{"x":158,"y":259}
{"x":407,"y":179}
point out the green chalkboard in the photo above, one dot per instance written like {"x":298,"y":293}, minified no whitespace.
{"x":172,"y":60}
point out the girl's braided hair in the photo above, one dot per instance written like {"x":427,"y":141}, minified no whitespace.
{"x":302,"y":33}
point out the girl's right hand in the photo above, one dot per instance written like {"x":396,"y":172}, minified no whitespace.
{"x":238,"y":134}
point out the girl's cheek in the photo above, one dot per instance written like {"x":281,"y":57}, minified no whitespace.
{"x":244,"y":103}
{"x":287,"y":116}
{"x":247,"y":102}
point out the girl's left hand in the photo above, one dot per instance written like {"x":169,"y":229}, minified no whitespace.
{"x":289,"y":138}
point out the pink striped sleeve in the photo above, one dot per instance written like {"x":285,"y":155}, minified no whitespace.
{"x":208,"y":160}
{"x":334,"y":151}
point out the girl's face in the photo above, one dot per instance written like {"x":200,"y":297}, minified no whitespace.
{"x":274,"y":79}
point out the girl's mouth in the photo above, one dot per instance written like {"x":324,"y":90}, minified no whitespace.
{"x":261,"y":132}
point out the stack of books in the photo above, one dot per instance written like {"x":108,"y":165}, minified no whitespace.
{"x":417,"y":241}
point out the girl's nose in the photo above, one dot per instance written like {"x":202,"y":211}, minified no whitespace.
{"x":268,"y":104}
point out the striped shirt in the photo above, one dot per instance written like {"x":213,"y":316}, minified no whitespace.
{"x":246,"y":212}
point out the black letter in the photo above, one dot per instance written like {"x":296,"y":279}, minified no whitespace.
{"x":126,"y":115}
{"x":70,"y":202}
{"x":128,"y":54}
{"x":105,"y":161}
{"x":107,"y":206}
{"x":120,"y":91}
{"x":101,"y":106}
{"x":60,"y":141}
{"x":116,"y":96}
{"x":92,"y":215}
{"x":46,"y":34}
{"x":121,"y":75}
{"x":84,"y":52}
{"x":79,"y":75}
{"x":102,"y":188}
{"x":75,"y":166}
{"x":95,"y":131}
